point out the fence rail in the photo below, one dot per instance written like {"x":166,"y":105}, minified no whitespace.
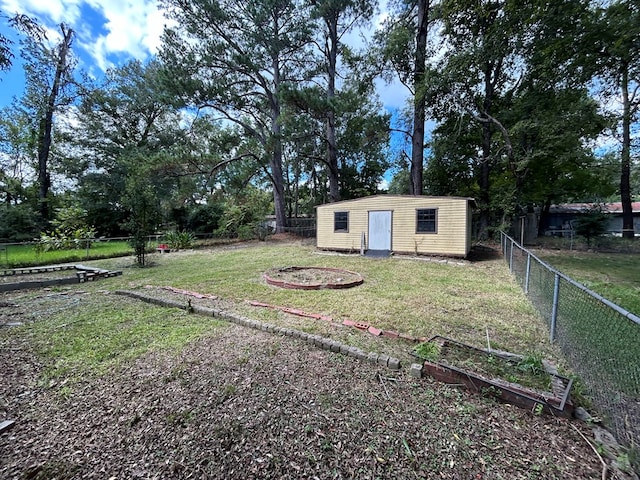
{"x":600,"y":340}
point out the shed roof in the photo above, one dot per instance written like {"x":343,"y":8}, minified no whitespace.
{"x":384,"y":195}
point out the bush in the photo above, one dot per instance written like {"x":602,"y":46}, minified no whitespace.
{"x":179,"y":240}
{"x":592,"y":224}
{"x":243,"y":216}
{"x":204,"y":218}
{"x":18,"y":223}
{"x":70,"y":231}
{"x":82,"y":237}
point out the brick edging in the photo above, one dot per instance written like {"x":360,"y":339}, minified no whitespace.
{"x":314,"y":340}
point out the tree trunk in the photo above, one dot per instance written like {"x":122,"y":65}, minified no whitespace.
{"x":275,"y":160}
{"x":46,"y":125}
{"x":543,"y":222}
{"x":628,"y":230}
{"x":485,"y":160}
{"x":332,"y":147}
{"x":275,"y":163}
{"x":419,"y":104}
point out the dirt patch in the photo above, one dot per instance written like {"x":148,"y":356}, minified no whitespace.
{"x":246,"y":404}
{"x":312,"y":278}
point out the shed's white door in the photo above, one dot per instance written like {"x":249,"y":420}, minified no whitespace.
{"x":380,"y":230}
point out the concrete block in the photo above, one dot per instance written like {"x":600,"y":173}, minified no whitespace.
{"x":335,"y":347}
{"x":344,"y":349}
{"x":416,"y":370}
{"x":372,"y":357}
{"x":353,"y":352}
{"x":393,"y":363}
{"x":361,"y":355}
{"x":383,"y":359}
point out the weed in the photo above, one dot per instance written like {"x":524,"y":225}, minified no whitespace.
{"x":579,"y":394}
{"x":537,"y":409}
{"x":273,"y":349}
{"x":427,"y":351}
{"x":326,"y":445}
{"x":180,"y":419}
{"x":490,"y":392}
{"x":242,"y":360}
{"x":532,"y":364}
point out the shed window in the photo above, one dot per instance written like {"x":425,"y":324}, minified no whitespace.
{"x":340,"y":221}
{"x":427,"y":220}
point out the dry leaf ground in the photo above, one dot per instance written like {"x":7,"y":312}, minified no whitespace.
{"x":240,"y":403}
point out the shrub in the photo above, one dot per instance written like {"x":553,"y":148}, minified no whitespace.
{"x":243,"y":216}
{"x":18,"y":223}
{"x":179,"y":240}
{"x":204,"y":218}
{"x":82,"y":237}
{"x":592,"y":224}
{"x":70,"y":231}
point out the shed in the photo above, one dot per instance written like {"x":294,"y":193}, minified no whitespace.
{"x":397,"y":223}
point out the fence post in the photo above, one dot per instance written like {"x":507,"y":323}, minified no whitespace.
{"x":554,"y":310}
{"x":528,"y":271}
{"x":511,"y":257}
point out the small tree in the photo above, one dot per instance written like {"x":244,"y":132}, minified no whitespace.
{"x":592,"y":223}
{"x":144,"y":215}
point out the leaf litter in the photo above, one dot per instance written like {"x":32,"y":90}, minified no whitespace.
{"x":244,"y":404}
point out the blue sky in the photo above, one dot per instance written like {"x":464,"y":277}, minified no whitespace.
{"x":108,"y":33}
{"x":111,"y":32}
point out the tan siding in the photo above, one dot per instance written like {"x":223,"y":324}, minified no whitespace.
{"x":453,"y":227}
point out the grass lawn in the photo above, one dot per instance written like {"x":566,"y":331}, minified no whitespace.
{"x":463,"y":300}
{"x":24,"y":255}
{"x":615,"y":276}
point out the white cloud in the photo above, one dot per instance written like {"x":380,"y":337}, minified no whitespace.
{"x":131,"y":28}
{"x":393,"y":95}
{"x":56,"y":11}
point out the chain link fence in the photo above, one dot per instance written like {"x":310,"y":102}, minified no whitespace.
{"x":600,"y":340}
{"x":301,"y":226}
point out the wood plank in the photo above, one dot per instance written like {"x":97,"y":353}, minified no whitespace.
{"x":6,"y":425}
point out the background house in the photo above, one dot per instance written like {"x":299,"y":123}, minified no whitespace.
{"x":397,"y":223}
{"x":561,"y":216}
